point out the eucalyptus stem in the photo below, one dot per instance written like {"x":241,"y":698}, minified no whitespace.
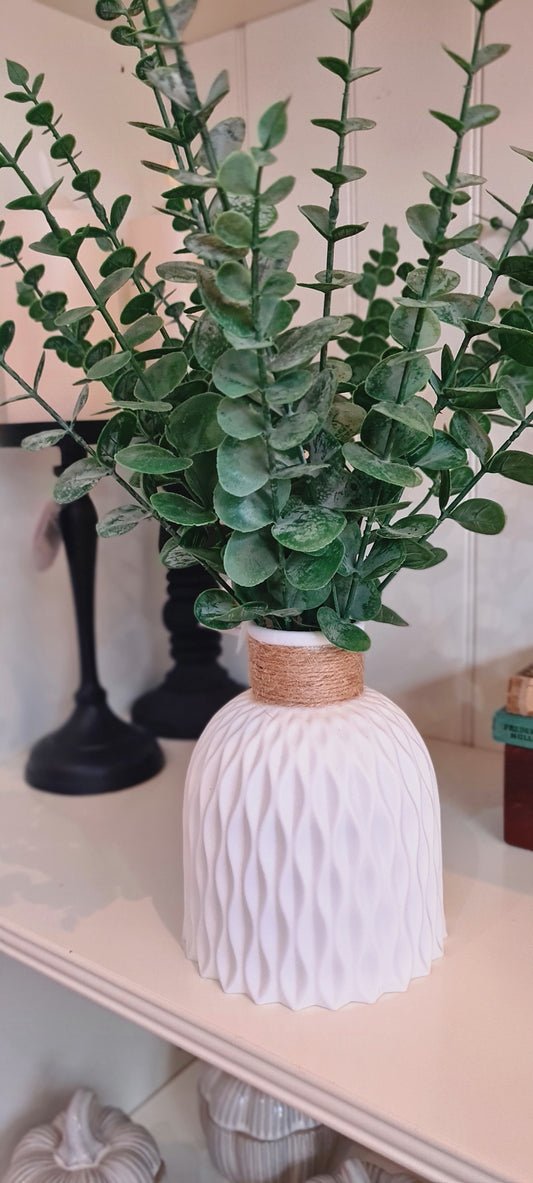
{"x":32,"y":392}
{"x":334,"y":205}
{"x":80,"y":271}
{"x":99,"y":211}
{"x":192,"y":93}
{"x":435,"y":251}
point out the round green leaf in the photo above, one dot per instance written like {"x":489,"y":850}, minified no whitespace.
{"x":515,"y":465}
{"x":385,"y":379}
{"x":77,"y":480}
{"x":217,"y":609}
{"x":234,"y":281}
{"x":402,"y":327}
{"x":308,"y":528}
{"x":237,"y":174}
{"x":162,"y":377}
{"x":272,"y":126}
{"x":443,"y":453}
{"x":250,"y":559}
{"x":307,"y":572}
{"x":249,"y":513}
{"x":383,"y":470}
{"x":480,"y":515}
{"x":234,"y":229}
{"x":289,"y":387}
{"x":142,"y":330}
{"x":341,"y":633}
{"x":175,"y":508}
{"x":239,"y":418}
{"x":121,"y":520}
{"x":116,"y":434}
{"x":236,"y":373}
{"x":151,"y":459}
{"x":293,"y":430}
{"x":193,"y":426}
{"x":242,"y":466}
{"x":108,"y":365}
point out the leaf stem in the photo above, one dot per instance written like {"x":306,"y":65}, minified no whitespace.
{"x":334,"y":204}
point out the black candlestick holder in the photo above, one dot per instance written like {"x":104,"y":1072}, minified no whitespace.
{"x":196,"y":686}
{"x":94,"y":751}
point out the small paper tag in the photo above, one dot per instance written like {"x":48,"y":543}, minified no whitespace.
{"x":47,"y":537}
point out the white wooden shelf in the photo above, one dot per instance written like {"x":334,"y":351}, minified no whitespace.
{"x":439,"y":1079}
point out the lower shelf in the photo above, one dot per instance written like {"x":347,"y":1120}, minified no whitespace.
{"x":172,"y":1117}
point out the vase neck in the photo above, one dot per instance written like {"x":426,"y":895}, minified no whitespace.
{"x":306,"y":673}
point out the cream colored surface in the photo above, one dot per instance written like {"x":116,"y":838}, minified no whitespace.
{"x":438,"y":1079}
{"x":212,"y":16}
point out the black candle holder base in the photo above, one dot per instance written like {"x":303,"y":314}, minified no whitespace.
{"x":184,"y":703}
{"x":93,"y":752}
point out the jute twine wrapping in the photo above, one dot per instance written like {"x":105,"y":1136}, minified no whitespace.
{"x":294,"y":676}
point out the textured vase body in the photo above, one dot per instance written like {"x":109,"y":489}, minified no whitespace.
{"x":312,"y":852}
{"x":253,"y":1138}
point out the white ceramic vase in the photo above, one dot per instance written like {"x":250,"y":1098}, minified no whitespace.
{"x":88,"y":1143}
{"x":253,"y":1138}
{"x":312,"y":847}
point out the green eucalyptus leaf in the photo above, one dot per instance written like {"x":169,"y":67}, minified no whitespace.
{"x":518,"y":267}
{"x":280,"y":245}
{"x":402,"y":327}
{"x":298,"y":346}
{"x":208,"y":341}
{"x":142,"y":330}
{"x":238,"y":174}
{"x":217,"y":609}
{"x":162,"y":377}
{"x":272,"y":126}
{"x":389,"y":471}
{"x":73,"y":315}
{"x":235,"y":319}
{"x":307,"y":572}
{"x":293,"y":430}
{"x":489,"y":54}
{"x":168,"y":80}
{"x":408,"y":371}
{"x":336,"y":66}
{"x":308,"y":528}
{"x":16,"y":73}
{"x":279,"y":190}
{"x":108,"y":366}
{"x":278,"y":283}
{"x":234,"y":229}
{"x":236,"y":373}
{"x":193,"y":426}
{"x":341,"y":633}
{"x":423,"y":220}
{"x":113,"y":283}
{"x":412,"y":527}
{"x":416,"y":414}
{"x":250,"y":559}
{"x":151,"y":459}
{"x":121,"y":520}
{"x":251,"y":513}
{"x":319,"y":218}
{"x":289,"y":387}
{"x":137,"y":307}
{"x":115,"y":435}
{"x":172,"y":507}
{"x":515,"y":465}
{"x":239,"y":418}
{"x":384,"y":558}
{"x":180,"y":14}
{"x":218,"y":91}
{"x":511,"y":398}
{"x":176,"y":557}
{"x":480,"y":115}
{"x":421,"y":556}
{"x":42,"y":439}
{"x":212,"y":249}
{"x":77,"y":480}
{"x":242,"y":466}
{"x":444,"y":452}
{"x":480,"y":515}
{"x":234,"y":281}
{"x":467,"y":432}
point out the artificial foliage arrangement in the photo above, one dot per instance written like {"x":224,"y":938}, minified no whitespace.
{"x":304,"y":466}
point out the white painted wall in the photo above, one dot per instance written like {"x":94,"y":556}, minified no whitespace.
{"x":470,"y":617}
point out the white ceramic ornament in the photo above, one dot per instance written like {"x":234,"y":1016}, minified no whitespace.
{"x":352,"y":1169}
{"x":88,"y":1143}
{"x":312,"y":849}
{"x":252,"y":1138}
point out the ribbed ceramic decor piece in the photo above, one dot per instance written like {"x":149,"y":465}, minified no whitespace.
{"x":86,"y":1144}
{"x":312,"y":852}
{"x":253,"y":1138}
